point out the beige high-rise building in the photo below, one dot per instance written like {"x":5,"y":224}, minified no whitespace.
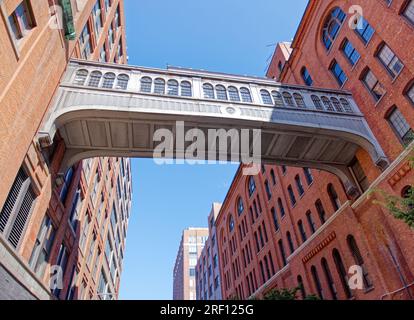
{"x":191,"y":246}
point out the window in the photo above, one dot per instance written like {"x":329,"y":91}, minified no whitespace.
{"x":409,"y":11}
{"x":159,"y":86}
{"x":308,"y":176}
{"x":340,"y":269}
{"x":122,"y":82}
{"x":311,"y":223}
{"x":302,"y":231}
{"x":76,"y":208}
{"x":338,"y":73}
{"x":21,"y":20}
{"x":359,"y":175}
{"x":327,"y":103}
{"x":329,"y":279}
{"x":85,"y":42}
{"x":400,"y":126}
{"x":359,"y":260}
{"x":95,"y":79}
{"x":350,"y":52}
{"x":208,"y":91}
{"x":273,"y":176}
{"x":337,"y":105}
{"x":410,"y":93}
{"x":307,"y":79}
{"x":186,"y":89}
{"x":288,"y":99}
{"x":172,"y":87}
{"x":284,"y":170}
{"x":390,"y":61}
{"x":240,"y":206}
{"x":221,"y":92}
{"x":275,"y":219}
{"x":266,"y":98}
{"x":301,"y":287}
{"x":282,"y":252}
{"x":41,"y":251}
{"x":245,"y":95}
{"x":80,"y":77}
{"x":292,"y":196}
{"x":146,"y":84}
{"x":231,"y":224}
{"x":234,"y":94}
{"x":321,"y":211}
{"x":290,"y":242}
{"x":97,"y":18}
{"x":109,"y":79}
{"x":332,"y":26}
{"x":336,"y":204}
{"x":62,"y":261}
{"x":252,"y":186}
{"x":299,"y":100}
{"x":281,"y":207}
{"x":17,"y":209}
{"x":366,"y":31}
{"x":268,"y":191}
{"x":317,"y":282}
{"x":85,"y":231}
{"x":317,"y":103}
{"x":299,"y":186}
{"x":346,"y":105}
{"x":277,"y":97}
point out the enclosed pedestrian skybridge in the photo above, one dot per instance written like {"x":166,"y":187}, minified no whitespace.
{"x":103,"y":109}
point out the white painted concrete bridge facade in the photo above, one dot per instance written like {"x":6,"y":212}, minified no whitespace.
{"x":103,"y":109}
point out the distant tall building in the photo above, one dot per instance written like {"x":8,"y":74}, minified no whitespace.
{"x":76,"y":221}
{"x":208,"y":269}
{"x":191,"y":246}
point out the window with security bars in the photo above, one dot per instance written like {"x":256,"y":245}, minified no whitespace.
{"x":17,"y":209}
{"x":401,"y":126}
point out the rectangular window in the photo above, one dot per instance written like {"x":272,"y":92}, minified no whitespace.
{"x":85,"y":231}
{"x":17,"y":209}
{"x":85,"y":42}
{"x":390,"y":61}
{"x":41,"y":251}
{"x":76,"y":209}
{"x":21,"y":20}
{"x":373,"y":85}
{"x":409,"y":11}
{"x":350,"y":52}
{"x":338,"y":73}
{"x":62,"y":261}
{"x":366,"y":31}
{"x":400,"y":126}
{"x":359,"y":175}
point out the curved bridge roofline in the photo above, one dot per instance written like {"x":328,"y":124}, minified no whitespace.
{"x":103,"y":109}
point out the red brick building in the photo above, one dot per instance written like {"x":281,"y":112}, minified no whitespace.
{"x":77,"y":221}
{"x":289,"y":227}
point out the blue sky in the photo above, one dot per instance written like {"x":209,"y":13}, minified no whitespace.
{"x":233,"y":36}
